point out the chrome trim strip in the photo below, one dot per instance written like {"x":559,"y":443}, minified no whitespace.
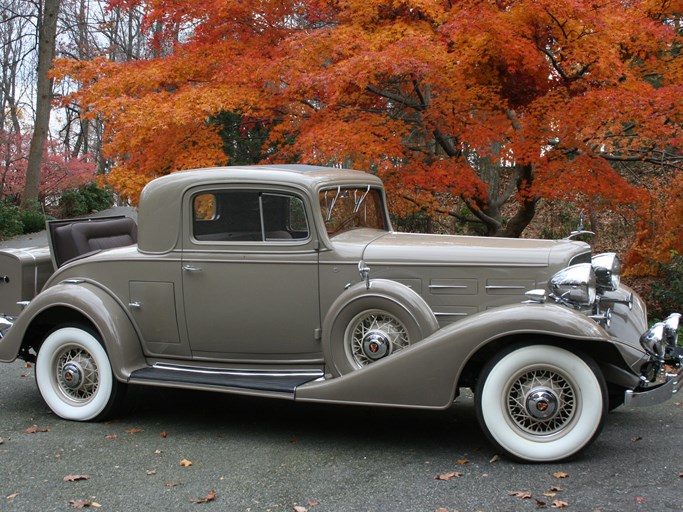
{"x":510,"y":287}
{"x":240,"y":373}
{"x":437,"y":313}
{"x":447,"y":286}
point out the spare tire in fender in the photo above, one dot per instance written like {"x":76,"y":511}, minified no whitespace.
{"x":364,"y":325}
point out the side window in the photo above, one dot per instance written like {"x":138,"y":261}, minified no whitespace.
{"x":248,"y":216}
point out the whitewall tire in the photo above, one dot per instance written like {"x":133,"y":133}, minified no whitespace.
{"x":541,"y":403}
{"x":74,"y":375}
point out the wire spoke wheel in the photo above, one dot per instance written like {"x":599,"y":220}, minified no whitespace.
{"x":541,"y":403}
{"x":373,"y":335}
{"x":75,"y":377}
{"x":77,"y":374}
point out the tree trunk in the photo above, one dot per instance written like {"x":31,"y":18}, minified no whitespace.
{"x":47,"y":28}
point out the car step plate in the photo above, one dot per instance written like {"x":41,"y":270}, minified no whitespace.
{"x":284,"y":381}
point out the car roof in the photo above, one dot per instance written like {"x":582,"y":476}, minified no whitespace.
{"x":161,"y":198}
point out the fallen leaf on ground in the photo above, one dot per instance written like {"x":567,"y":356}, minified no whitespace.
{"x":151,"y":472}
{"x":555,"y":488}
{"x":640,"y":499}
{"x":134,"y":430}
{"x":561,"y":475}
{"x":1,"y":440}
{"x":28,"y":365}
{"x":313,"y":503}
{"x":299,"y":508}
{"x":559,"y":504}
{"x":12,"y":496}
{"x":111,"y":436}
{"x":449,"y":475}
{"x":185,"y":463}
{"x":539,"y":503}
{"x":171,"y":484}
{"x":34,"y":428}
{"x":549,"y":494}
{"x":209,"y":497}
{"x":75,"y":478}
{"x":462,"y":462}
{"x":157,"y":452}
{"x":163,"y":434}
{"x":495,"y":458}
{"x":522,"y":495}
{"x":636,"y":438}
{"x":84,"y":504}
{"x":441,"y":509}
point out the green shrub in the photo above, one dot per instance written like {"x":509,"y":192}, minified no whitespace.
{"x":10,"y":220}
{"x":84,"y":200}
{"x":33,"y":220}
{"x":669,"y":296}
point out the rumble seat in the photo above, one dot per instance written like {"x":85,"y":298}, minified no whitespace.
{"x":74,"y":239}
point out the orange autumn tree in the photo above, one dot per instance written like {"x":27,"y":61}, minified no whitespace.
{"x":486,"y":104}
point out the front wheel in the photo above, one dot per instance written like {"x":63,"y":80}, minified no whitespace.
{"x":541,"y":403}
{"x":74,"y":375}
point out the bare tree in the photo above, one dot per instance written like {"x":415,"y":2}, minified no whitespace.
{"x":47,"y":36}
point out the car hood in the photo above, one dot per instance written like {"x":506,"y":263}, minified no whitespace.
{"x":412,"y":248}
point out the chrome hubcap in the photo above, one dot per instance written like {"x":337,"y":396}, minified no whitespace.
{"x":541,"y":402}
{"x":376,"y":345}
{"x":72,"y":375}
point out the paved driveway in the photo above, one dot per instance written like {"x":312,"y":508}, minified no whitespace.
{"x":269,"y":455}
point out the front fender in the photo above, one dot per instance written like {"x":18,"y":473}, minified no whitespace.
{"x":426,"y":373}
{"x":89,"y":301}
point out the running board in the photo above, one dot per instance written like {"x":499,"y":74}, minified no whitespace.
{"x":284,"y":381}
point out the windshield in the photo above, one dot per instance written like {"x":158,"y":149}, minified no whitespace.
{"x":347,"y":208}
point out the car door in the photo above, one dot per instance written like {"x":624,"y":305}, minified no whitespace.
{"x":250,"y":276}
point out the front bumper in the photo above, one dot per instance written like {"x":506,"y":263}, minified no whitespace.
{"x":643,"y":398}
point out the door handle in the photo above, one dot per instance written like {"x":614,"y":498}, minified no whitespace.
{"x":190,"y":268}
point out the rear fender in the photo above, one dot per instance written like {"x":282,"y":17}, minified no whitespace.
{"x":85,"y":301}
{"x":425,"y":374}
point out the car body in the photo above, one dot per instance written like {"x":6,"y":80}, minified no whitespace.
{"x":289,"y":282}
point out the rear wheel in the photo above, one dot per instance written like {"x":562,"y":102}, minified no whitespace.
{"x":74,"y":375}
{"x":541,"y":403}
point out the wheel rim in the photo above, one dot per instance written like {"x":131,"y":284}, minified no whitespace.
{"x":77,"y":374}
{"x":541,"y":402}
{"x":373,"y":335}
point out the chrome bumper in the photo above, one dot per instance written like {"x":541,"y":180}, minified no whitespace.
{"x":672,"y":385}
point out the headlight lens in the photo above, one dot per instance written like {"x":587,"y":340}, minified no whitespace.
{"x":575,"y":285}
{"x":607,"y":271}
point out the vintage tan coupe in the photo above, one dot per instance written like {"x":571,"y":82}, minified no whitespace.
{"x":289,"y":282}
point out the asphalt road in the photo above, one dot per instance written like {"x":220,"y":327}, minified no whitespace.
{"x":270,"y":455}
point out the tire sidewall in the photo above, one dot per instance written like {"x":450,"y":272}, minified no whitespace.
{"x":46,"y":378}
{"x":586,"y":380}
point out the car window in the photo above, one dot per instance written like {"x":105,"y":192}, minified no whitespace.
{"x":347,"y":208}
{"x":248,"y":216}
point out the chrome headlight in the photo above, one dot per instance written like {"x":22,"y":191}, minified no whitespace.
{"x":661,"y":339}
{"x":607,"y":271}
{"x":575,"y":285}
{"x":652,"y":341}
